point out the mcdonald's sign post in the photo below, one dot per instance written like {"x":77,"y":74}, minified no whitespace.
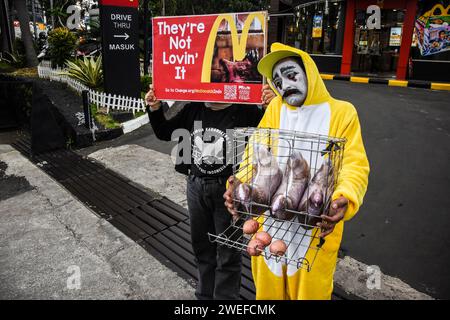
{"x":209,"y":57}
{"x":120,"y":46}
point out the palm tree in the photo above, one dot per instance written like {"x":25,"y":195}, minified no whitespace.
{"x":24,"y":21}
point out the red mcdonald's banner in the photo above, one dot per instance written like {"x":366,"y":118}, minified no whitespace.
{"x":209,"y":57}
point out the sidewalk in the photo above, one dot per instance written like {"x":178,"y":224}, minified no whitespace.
{"x":48,"y":238}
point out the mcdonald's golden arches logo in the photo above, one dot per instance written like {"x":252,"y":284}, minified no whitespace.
{"x":239,"y":44}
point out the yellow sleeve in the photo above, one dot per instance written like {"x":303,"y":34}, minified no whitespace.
{"x":271,"y":118}
{"x":354,"y":175}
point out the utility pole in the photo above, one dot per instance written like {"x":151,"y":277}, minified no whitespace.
{"x":33,"y":11}
{"x":163,"y":12}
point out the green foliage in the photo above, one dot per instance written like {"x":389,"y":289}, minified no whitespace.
{"x":104,"y":119}
{"x":17,"y":57}
{"x":87,"y":70}
{"x":6,"y":66}
{"x":62,"y":44}
{"x":11,"y":61}
{"x":25,"y":72}
{"x":59,"y":11}
{"x":146,"y":80}
{"x":139,"y":113}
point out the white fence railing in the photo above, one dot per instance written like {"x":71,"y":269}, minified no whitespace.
{"x":46,"y":63}
{"x":58,"y":75}
{"x":100,"y":99}
{"x":116,"y":102}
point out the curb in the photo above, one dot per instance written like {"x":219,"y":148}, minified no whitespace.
{"x":134,"y":124}
{"x":392,"y":83}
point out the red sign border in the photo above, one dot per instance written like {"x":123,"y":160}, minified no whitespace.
{"x":214,"y":14}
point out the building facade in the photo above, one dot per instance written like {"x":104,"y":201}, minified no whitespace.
{"x":396,"y":39}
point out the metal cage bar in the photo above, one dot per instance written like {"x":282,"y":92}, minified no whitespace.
{"x":323,"y":154}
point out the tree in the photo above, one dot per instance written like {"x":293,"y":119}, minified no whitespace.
{"x":58,"y":12}
{"x":62,"y":44}
{"x":24,"y":21}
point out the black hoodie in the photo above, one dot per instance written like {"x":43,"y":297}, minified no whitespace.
{"x":208,"y":155}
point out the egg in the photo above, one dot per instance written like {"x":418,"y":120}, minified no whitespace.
{"x":264,"y":237}
{"x":253,"y":246}
{"x":250,"y":226}
{"x":278,"y":247}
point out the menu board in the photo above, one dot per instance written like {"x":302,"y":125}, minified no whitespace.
{"x":395,"y":38}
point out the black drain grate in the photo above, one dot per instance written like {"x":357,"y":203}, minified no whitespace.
{"x":159,"y":225}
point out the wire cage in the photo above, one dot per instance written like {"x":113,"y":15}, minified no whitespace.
{"x":284,"y":180}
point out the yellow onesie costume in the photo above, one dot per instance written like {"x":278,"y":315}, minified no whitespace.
{"x":319,"y":114}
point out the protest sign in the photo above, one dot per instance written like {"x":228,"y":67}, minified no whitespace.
{"x":209,"y":57}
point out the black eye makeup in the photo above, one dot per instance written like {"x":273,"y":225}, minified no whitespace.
{"x":277,"y":83}
{"x":291,"y":75}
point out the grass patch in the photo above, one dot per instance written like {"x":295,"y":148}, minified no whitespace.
{"x":104,"y":119}
{"x":140,"y":113}
{"x":5,"y":67}
{"x":26,"y":72}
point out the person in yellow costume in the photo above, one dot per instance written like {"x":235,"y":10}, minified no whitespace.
{"x":303,"y":104}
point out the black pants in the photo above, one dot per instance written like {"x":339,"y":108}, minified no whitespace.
{"x":219,"y":267}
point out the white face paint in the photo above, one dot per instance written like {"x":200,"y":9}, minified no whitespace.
{"x":289,"y":80}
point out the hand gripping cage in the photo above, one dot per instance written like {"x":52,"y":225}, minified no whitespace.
{"x":285,"y":181}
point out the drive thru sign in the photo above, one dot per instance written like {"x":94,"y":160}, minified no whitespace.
{"x":119,"y":24}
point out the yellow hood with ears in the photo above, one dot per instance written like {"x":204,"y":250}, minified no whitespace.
{"x":317,"y":92}
{"x":321,"y":114}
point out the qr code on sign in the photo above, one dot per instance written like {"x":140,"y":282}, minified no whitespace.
{"x":230,"y":92}
{"x":244,"y":93}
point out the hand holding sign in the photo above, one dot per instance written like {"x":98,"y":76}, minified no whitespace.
{"x":150,"y":99}
{"x":267,"y":95}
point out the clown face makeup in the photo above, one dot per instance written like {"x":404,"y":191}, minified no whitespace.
{"x":289,"y":80}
